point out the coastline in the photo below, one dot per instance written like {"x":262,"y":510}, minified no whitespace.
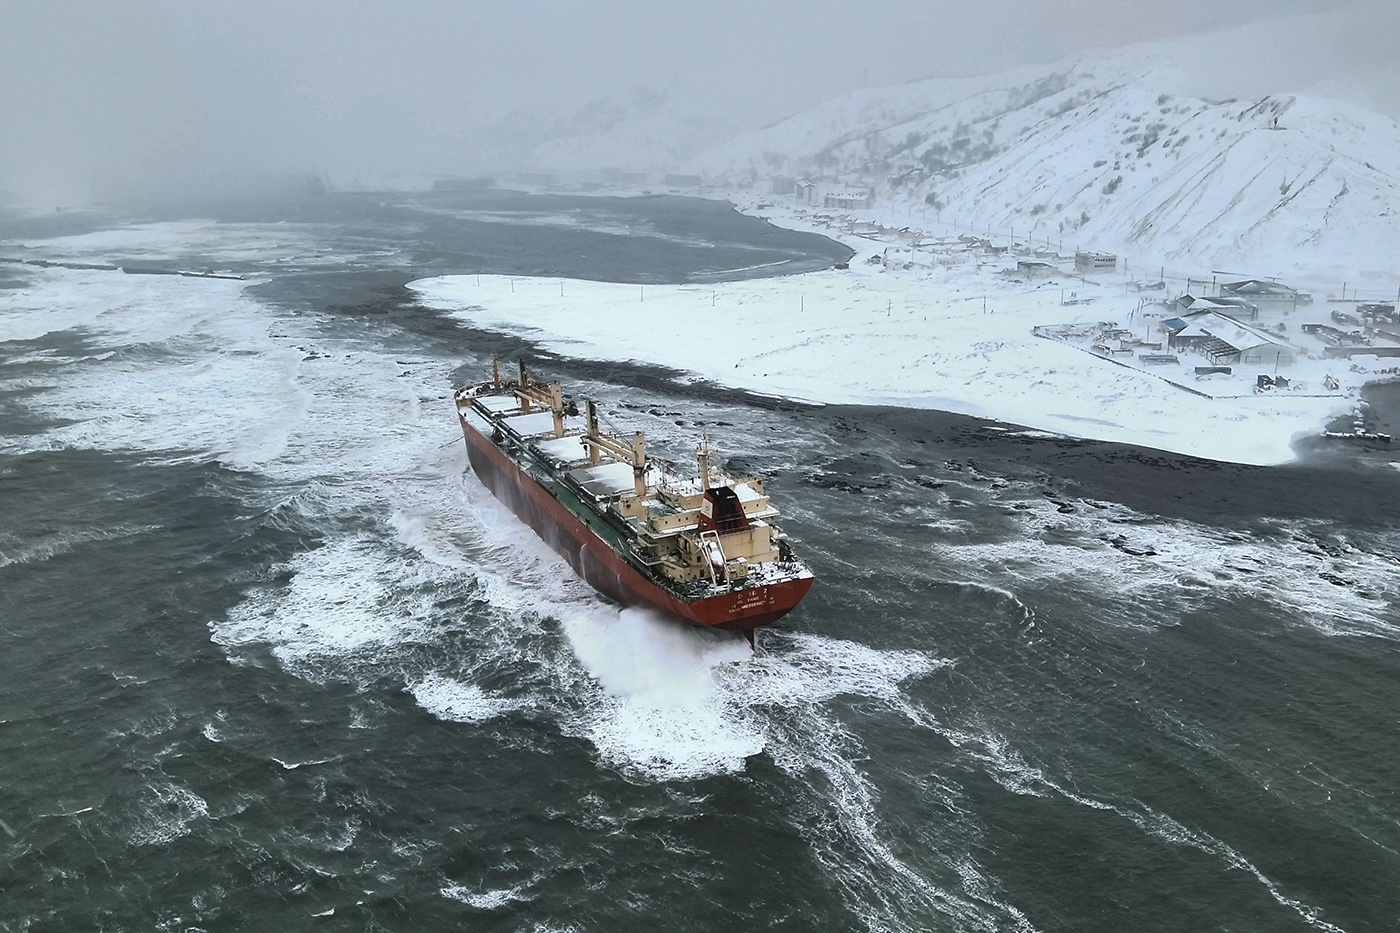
{"x":956,"y":337}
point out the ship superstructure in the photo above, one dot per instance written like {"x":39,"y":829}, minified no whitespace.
{"x":705,"y":546}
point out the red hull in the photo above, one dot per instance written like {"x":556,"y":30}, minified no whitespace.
{"x":606,"y":570}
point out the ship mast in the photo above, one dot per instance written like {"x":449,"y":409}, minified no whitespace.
{"x":593,"y":432}
{"x":703,"y":453}
{"x":550,"y":396}
{"x":635,"y":453}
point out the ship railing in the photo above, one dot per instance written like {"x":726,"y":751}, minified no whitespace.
{"x":709,"y":543}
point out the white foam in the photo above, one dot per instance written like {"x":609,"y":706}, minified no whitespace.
{"x":210,"y":242}
{"x":294,"y":765}
{"x":1191,"y":562}
{"x":196,"y":370}
{"x":35,"y":549}
{"x":164,"y":813}
{"x":342,"y":599}
{"x":659,"y":713}
{"x":456,"y":701}
{"x":841,"y":817}
{"x":493,"y":899}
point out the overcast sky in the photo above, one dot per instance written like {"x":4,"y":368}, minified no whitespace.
{"x":98,"y":97}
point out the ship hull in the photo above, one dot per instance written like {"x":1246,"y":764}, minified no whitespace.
{"x":608,"y":571}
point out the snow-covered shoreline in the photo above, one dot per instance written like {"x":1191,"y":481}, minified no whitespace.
{"x":949,"y":337}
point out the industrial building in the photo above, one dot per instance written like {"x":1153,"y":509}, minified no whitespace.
{"x":1263,"y":294}
{"x":1224,"y":340}
{"x":1231,"y":307}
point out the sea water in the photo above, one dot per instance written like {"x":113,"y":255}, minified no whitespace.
{"x":270,"y":656}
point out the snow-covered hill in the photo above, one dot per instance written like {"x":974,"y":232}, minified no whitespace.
{"x":1108,"y":154}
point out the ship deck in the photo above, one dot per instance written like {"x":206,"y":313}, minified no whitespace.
{"x":561,"y":465}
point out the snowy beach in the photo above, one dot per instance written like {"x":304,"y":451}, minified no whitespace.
{"x":951,"y":335}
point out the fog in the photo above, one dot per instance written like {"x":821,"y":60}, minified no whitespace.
{"x":100,"y":100}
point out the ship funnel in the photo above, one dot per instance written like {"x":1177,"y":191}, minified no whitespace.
{"x":722,"y":511}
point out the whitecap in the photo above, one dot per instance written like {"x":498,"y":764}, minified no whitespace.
{"x":456,"y":701}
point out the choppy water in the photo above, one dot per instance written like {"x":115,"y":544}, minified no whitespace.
{"x":270,"y":657}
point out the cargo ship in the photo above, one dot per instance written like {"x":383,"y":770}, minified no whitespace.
{"x":703,"y":547}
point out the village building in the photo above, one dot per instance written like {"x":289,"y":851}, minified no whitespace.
{"x":783,"y":184}
{"x":1233,"y":307}
{"x":1035,"y":268}
{"x":682,"y":181}
{"x":1263,"y":294}
{"x":1087,"y":263}
{"x":832,"y":195}
{"x":1224,"y":340}
{"x":848,"y":199}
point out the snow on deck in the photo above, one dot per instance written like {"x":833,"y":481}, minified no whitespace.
{"x":563,"y":449}
{"x":541,"y":422}
{"x":605,"y":479}
{"x":498,"y":403}
{"x":747,"y":493}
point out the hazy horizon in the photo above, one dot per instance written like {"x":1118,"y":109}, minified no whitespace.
{"x":103,"y":101}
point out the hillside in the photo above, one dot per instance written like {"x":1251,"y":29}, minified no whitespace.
{"x":1106,"y":154}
